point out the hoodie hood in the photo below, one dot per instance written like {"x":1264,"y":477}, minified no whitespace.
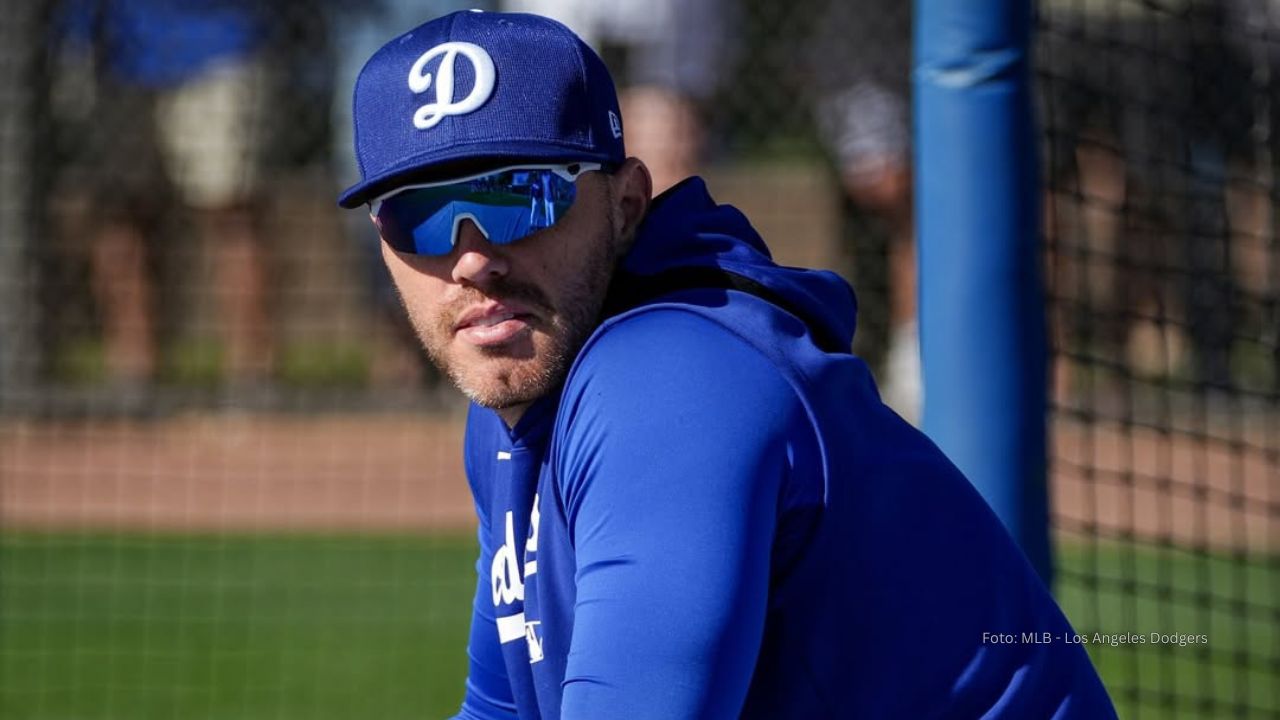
{"x":685,"y":228}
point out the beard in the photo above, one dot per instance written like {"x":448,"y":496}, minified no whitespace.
{"x":503,"y":377}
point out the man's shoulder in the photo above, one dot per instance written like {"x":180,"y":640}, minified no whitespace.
{"x":669,"y":330}
{"x":672,"y":389}
{"x":664,"y":339}
{"x":671,"y":358}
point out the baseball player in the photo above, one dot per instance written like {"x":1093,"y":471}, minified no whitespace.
{"x":691,"y":501}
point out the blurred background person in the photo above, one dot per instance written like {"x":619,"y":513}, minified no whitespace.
{"x":1251,"y":135}
{"x":1103,"y":126}
{"x":164,"y":104}
{"x":1142,"y":107}
{"x":667,"y":57}
{"x":860,"y":74}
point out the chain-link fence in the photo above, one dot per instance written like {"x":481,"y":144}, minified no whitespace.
{"x":1159,"y":121}
{"x":230,"y":483}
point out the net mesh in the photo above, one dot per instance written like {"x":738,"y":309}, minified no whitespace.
{"x":1160,"y":135}
{"x":230,"y":483}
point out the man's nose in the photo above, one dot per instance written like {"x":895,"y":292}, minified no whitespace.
{"x":479,"y":261}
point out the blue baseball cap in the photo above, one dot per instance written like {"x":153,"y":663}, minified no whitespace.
{"x":476,"y":88}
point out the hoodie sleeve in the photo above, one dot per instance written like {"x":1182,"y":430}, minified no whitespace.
{"x":674,"y":450}
{"x":488,"y":691}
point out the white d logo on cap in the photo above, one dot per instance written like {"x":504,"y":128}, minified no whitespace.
{"x":429,"y":115}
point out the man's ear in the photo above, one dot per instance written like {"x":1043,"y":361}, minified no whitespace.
{"x":633,"y":191}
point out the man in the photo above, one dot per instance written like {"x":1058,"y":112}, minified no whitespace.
{"x":692,"y":503}
{"x":859,"y":59}
{"x":176,"y":115}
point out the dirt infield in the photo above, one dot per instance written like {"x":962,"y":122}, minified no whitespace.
{"x":403,"y":472}
{"x":241,"y":472}
{"x":1122,"y":481}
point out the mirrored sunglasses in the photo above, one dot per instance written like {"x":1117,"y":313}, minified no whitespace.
{"x":506,"y":205}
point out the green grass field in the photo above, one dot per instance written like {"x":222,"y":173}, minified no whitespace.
{"x":1231,"y":600}
{"x":306,"y":626}
{"x":168,"y":626}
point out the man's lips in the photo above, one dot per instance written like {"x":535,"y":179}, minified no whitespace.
{"x":492,"y":323}
{"x":490,"y":314}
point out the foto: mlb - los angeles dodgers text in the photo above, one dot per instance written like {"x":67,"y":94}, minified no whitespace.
{"x":1097,"y":638}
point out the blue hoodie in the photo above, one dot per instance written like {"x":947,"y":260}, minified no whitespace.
{"x":715,"y":519}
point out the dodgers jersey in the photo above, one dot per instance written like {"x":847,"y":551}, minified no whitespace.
{"x":715,"y":518}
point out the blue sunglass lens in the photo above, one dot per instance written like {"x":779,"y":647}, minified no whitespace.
{"x":507,"y":206}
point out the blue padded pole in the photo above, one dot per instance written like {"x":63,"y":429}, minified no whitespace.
{"x":982,"y":313}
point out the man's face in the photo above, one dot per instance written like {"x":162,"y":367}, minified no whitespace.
{"x":504,"y":322}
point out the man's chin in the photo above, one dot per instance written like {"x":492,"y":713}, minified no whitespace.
{"x":499,"y":399}
{"x":506,"y":375}
{"x":498,"y":404}
{"x":505,"y":383}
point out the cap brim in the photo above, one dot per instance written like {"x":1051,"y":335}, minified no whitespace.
{"x":461,"y":161}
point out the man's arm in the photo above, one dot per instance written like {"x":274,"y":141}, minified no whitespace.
{"x":674,"y":454}
{"x":488,"y":693}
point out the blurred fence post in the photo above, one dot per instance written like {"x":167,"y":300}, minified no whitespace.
{"x":20,"y":34}
{"x":982,"y":311}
